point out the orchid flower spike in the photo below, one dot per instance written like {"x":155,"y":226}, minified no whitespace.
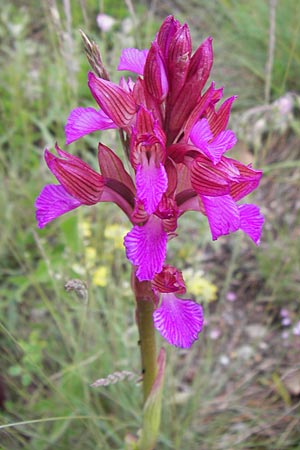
{"x":177,"y":143}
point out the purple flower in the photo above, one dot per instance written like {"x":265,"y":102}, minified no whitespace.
{"x":146,"y":248}
{"x":176,"y":141}
{"x":178,"y":320}
{"x":296,"y":329}
{"x":79,"y":184}
{"x":83,"y":121}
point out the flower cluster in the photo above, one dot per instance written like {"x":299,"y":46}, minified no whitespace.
{"x":175,"y":140}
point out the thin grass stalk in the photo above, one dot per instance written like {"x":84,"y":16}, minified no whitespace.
{"x":271,"y":50}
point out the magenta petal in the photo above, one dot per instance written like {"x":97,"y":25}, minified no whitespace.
{"x":115,"y":101}
{"x":246,"y":182}
{"x":201,"y":137}
{"x":219,"y":120}
{"x":222,"y":213}
{"x":146,"y":248}
{"x":208,"y":179}
{"x":223,"y":142}
{"x":133,"y":60}
{"x":251,"y":221}
{"x":83,"y":121}
{"x":155,"y":77}
{"x":78,"y":178}
{"x":179,"y":321}
{"x":151,"y":183}
{"x":52,"y":202}
{"x":201,"y":133}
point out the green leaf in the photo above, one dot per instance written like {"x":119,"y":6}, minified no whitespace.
{"x":15,"y":371}
{"x":152,"y":408}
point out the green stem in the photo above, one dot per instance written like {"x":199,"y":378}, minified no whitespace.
{"x":144,"y":311}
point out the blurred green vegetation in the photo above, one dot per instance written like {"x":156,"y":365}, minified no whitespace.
{"x":54,"y":343}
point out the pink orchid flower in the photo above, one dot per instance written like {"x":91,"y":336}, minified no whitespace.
{"x":177,"y":141}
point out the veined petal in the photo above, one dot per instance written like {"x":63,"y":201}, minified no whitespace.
{"x":189,"y":106}
{"x":178,"y":60}
{"x":52,"y":202}
{"x":218,"y":120}
{"x":247,"y":181}
{"x":146,"y":248}
{"x":201,"y":136}
{"x":208,"y":179}
{"x":169,"y":280}
{"x":151,"y":183}
{"x":199,"y":108}
{"x":179,"y":321}
{"x":119,"y":187}
{"x":166,"y":34}
{"x":223,"y":142}
{"x":111,"y":166}
{"x":155,"y":76}
{"x":222,"y":213}
{"x":200,"y":65}
{"x":189,"y":103}
{"x":114,"y":100}
{"x":251,"y":221}
{"x":133,"y":60}
{"x":77,"y":177}
{"x":83,"y":121}
{"x":201,"y":133}
{"x":217,"y":95}
{"x":144,"y":99}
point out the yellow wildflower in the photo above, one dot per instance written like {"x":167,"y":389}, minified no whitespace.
{"x":100,"y":276}
{"x":198,"y":285}
{"x":116,"y":233}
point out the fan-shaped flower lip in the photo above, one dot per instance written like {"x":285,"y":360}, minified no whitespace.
{"x":146,"y":248}
{"x":83,"y":121}
{"x":179,"y":321}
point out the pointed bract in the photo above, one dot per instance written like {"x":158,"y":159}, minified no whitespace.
{"x":178,"y":61}
{"x":200,"y":65}
{"x":166,"y":33}
{"x":218,"y":120}
{"x":155,"y":76}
